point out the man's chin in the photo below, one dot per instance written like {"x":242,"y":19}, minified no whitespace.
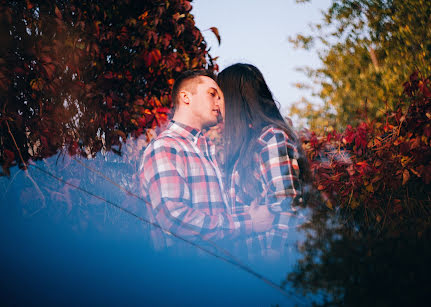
{"x":211,"y":124}
{"x":219,"y":118}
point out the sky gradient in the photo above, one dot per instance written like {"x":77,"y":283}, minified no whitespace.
{"x":257,"y":32}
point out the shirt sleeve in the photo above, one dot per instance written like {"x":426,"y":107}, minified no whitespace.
{"x":163,"y":178}
{"x":280,"y":176}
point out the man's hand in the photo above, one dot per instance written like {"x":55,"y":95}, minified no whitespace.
{"x":261,"y":217}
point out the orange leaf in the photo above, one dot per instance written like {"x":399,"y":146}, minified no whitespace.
{"x":37,"y":84}
{"x":216,"y":33}
{"x":406,"y":176}
{"x":177,"y":16}
{"x":143,"y":16}
{"x":58,"y":13}
{"x":415,"y":172}
{"x":195,"y":62}
{"x":29,"y":5}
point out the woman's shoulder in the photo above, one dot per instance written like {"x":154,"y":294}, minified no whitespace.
{"x":271,"y":134}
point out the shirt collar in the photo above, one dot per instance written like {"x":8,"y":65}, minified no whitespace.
{"x":185,"y":131}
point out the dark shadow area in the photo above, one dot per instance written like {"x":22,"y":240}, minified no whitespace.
{"x":348,"y":267}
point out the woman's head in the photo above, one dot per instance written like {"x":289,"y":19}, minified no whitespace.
{"x":249,"y":107}
{"x":247,"y":96}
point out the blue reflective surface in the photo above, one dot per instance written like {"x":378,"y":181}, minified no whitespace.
{"x":77,"y":250}
{"x":63,"y":246}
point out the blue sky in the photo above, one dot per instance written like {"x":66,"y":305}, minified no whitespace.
{"x":257,"y":32}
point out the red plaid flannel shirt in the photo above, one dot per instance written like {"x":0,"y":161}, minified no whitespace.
{"x":181,"y":180}
{"x":276,"y":169}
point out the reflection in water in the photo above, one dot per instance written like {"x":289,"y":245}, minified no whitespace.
{"x":65,"y":223}
{"x":62,"y":245}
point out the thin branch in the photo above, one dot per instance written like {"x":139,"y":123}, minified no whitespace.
{"x":26,"y":170}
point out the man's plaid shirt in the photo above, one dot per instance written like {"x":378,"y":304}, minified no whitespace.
{"x":276,"y":170}
{"x":181,"y":180}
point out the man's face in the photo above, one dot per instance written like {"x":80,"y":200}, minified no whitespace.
{"x":207,"y":103}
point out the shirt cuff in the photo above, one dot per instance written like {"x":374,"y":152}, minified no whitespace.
{"x":243,"y":223}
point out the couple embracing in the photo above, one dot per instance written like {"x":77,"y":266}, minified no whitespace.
{"x":254,"y":200}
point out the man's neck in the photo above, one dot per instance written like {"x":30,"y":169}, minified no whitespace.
{"x":186,"y":120}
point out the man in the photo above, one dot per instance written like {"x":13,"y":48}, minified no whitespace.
{"x":179,"y":175}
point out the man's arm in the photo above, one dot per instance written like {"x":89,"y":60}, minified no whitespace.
{"x":163,"y":177}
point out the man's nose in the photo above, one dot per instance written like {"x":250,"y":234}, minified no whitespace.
{"x":219,"y":102}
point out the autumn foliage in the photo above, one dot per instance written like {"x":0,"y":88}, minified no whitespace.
{"x":82,"y":76}
{"x":379,"y":172}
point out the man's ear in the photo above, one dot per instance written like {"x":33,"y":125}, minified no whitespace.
{"x":184,"y":96}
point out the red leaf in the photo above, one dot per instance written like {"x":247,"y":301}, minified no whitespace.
{"x":163,"y":110}
{"x":29,"y":5}
{"x":187,"y":6}
{"x":19,"y":70}
{"x":166,"y":40}
{"x":321,"y":187}
{"x":49,"y":70}
{"x":142,"y":121}
{"x":108,"y":75}
{"x":45,"y":59}
{"x":156,"y":55}
{"x":109,"y":102}
{"x":129,"y":76}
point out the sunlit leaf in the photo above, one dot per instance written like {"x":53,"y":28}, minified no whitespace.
{"x":216,"y":33}
{"x":406,"y":176}
{"x":37,"y":84}
{"x":58,"y":13}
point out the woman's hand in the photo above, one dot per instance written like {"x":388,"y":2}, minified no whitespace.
{"x":261,"y":217}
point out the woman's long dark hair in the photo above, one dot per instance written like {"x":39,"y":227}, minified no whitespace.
{"x":250,"y":107}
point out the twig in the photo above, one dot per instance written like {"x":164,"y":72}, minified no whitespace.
{"x":10,"y":183}
{"x":26,"y":170}
{"x":16,"y":145}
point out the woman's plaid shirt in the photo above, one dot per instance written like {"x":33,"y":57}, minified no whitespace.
{"x":181,"y":180}
{"x":276,"y":170}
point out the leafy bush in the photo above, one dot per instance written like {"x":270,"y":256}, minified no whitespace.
{"x":379,"y":174}
{"x":83,"y":76}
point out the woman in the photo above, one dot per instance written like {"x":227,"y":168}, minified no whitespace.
{"x":264,"y":161}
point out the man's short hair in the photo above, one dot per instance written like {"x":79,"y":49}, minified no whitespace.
{"x":184,"y":80}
